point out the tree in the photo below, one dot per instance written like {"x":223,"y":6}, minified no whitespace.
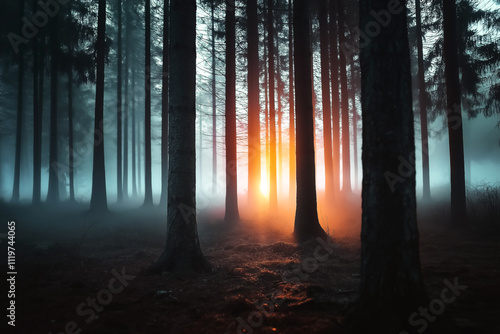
{"x":291,"y":104}
{"x":422,"y":97}
{"x":182,"y":251}
{"x":334,"y":69}
{"x":164,"y":107}
{"x":346,"y":146}
{"x":119,"y":90}
{"x":19,"y":123}
{"x":391,"y":281}
{"x":254,"y":159}
{"x":273,"y":186}
{"x":98,"y":200}
{"x":53,"y":191}
{"x":454,"y":113}
{"x":306,"y":215}
{"x":214,"y":105}
{"x":232,"y":214}
{"x":148,"y":189}
{"x":325,"y":93}
{"x":37,"y":118}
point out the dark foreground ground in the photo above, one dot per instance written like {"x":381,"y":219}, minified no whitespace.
{"x":77,"y":272}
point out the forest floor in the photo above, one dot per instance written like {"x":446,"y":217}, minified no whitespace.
{"x":79,"y":272}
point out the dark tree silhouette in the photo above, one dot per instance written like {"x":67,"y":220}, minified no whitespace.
{"x":119,"y":115}
{"x":346,"y":146}
{"x":182,"y":251}
{"x":391,"y":281}
{"x":325,"y":93}
{"x":53,"y":191}
{"x":454,"y":113}
{"x":19,"y":122}
{"x":38,"y":67}
{"x":273,"y":186}
{"x":306,"y":214}
{"x":334,"y":69}
{"x":291,"y":104}
{"x":254,"y":159}
{"x":98,"y":200}
{"x":164,"y":107}
{"x":214,"y":104}
{"x":148,"y":188}
{"x":232,"y":214}
{"x":422,"y":97}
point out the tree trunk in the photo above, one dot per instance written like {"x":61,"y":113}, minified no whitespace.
{"x":391,"y":281}
{"x":70,"y":133}
{"x":98,"y":201}
{"x":126,"y":103}
{"x":254,"y":154}
{"x":354,"y":79}
{"x":306,"y":214}
{"x":422,"y":104}
{"x":19,"y":123}
{"x":266,"y":95}
{"x":346,"y":155}
{"x":134,"y":143}
{"x":454,"y":114}
{"x":119,"y":150}
{"x":182,"y":251}
{"x":291,"y":104}
{"x":273,"y":190}
{"x":37,"y":121}
{"x":148,"y":191}
{"x":334,"y":69}
{"x":325,"y":93}
{"x":53,"y":191}
{"x":232,"y":215}
{"x":164,"y":108}
{"x":214,"y":108}
{"x":279,"y":114}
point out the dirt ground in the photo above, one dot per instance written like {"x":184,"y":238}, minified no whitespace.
{"x":82,"y":274}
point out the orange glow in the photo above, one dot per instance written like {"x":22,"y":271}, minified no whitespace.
{"x":264,"y":186}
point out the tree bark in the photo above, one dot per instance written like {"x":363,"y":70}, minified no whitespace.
{"x":232,"y":214}
{"x":19,"y":118}
{"x":346,"y":146}
{"x":354,"y":79}
{"x":37,"y":121}
{"x":164,"y":107}
{"x":148,"y":191}
{"x":126,"y":104}
{"x":254,"y":154}
{"x":422,"y":104}
{"x":325,"y":93}
{"x":454,"y":114}
{"x":53,"y":191}
{"x":291,"y":104}
{"x":273,"y":187}
{"x":214,"y":107}
{"x":98,"y":201}
{"x":334,"y":69}
{"x":119,"y":147}
{"x":182,"y":251}
{"x":306,"y":214}
{"x":135,"y":128}
{"x":391,"y":281}
{"x":71,"y":159}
